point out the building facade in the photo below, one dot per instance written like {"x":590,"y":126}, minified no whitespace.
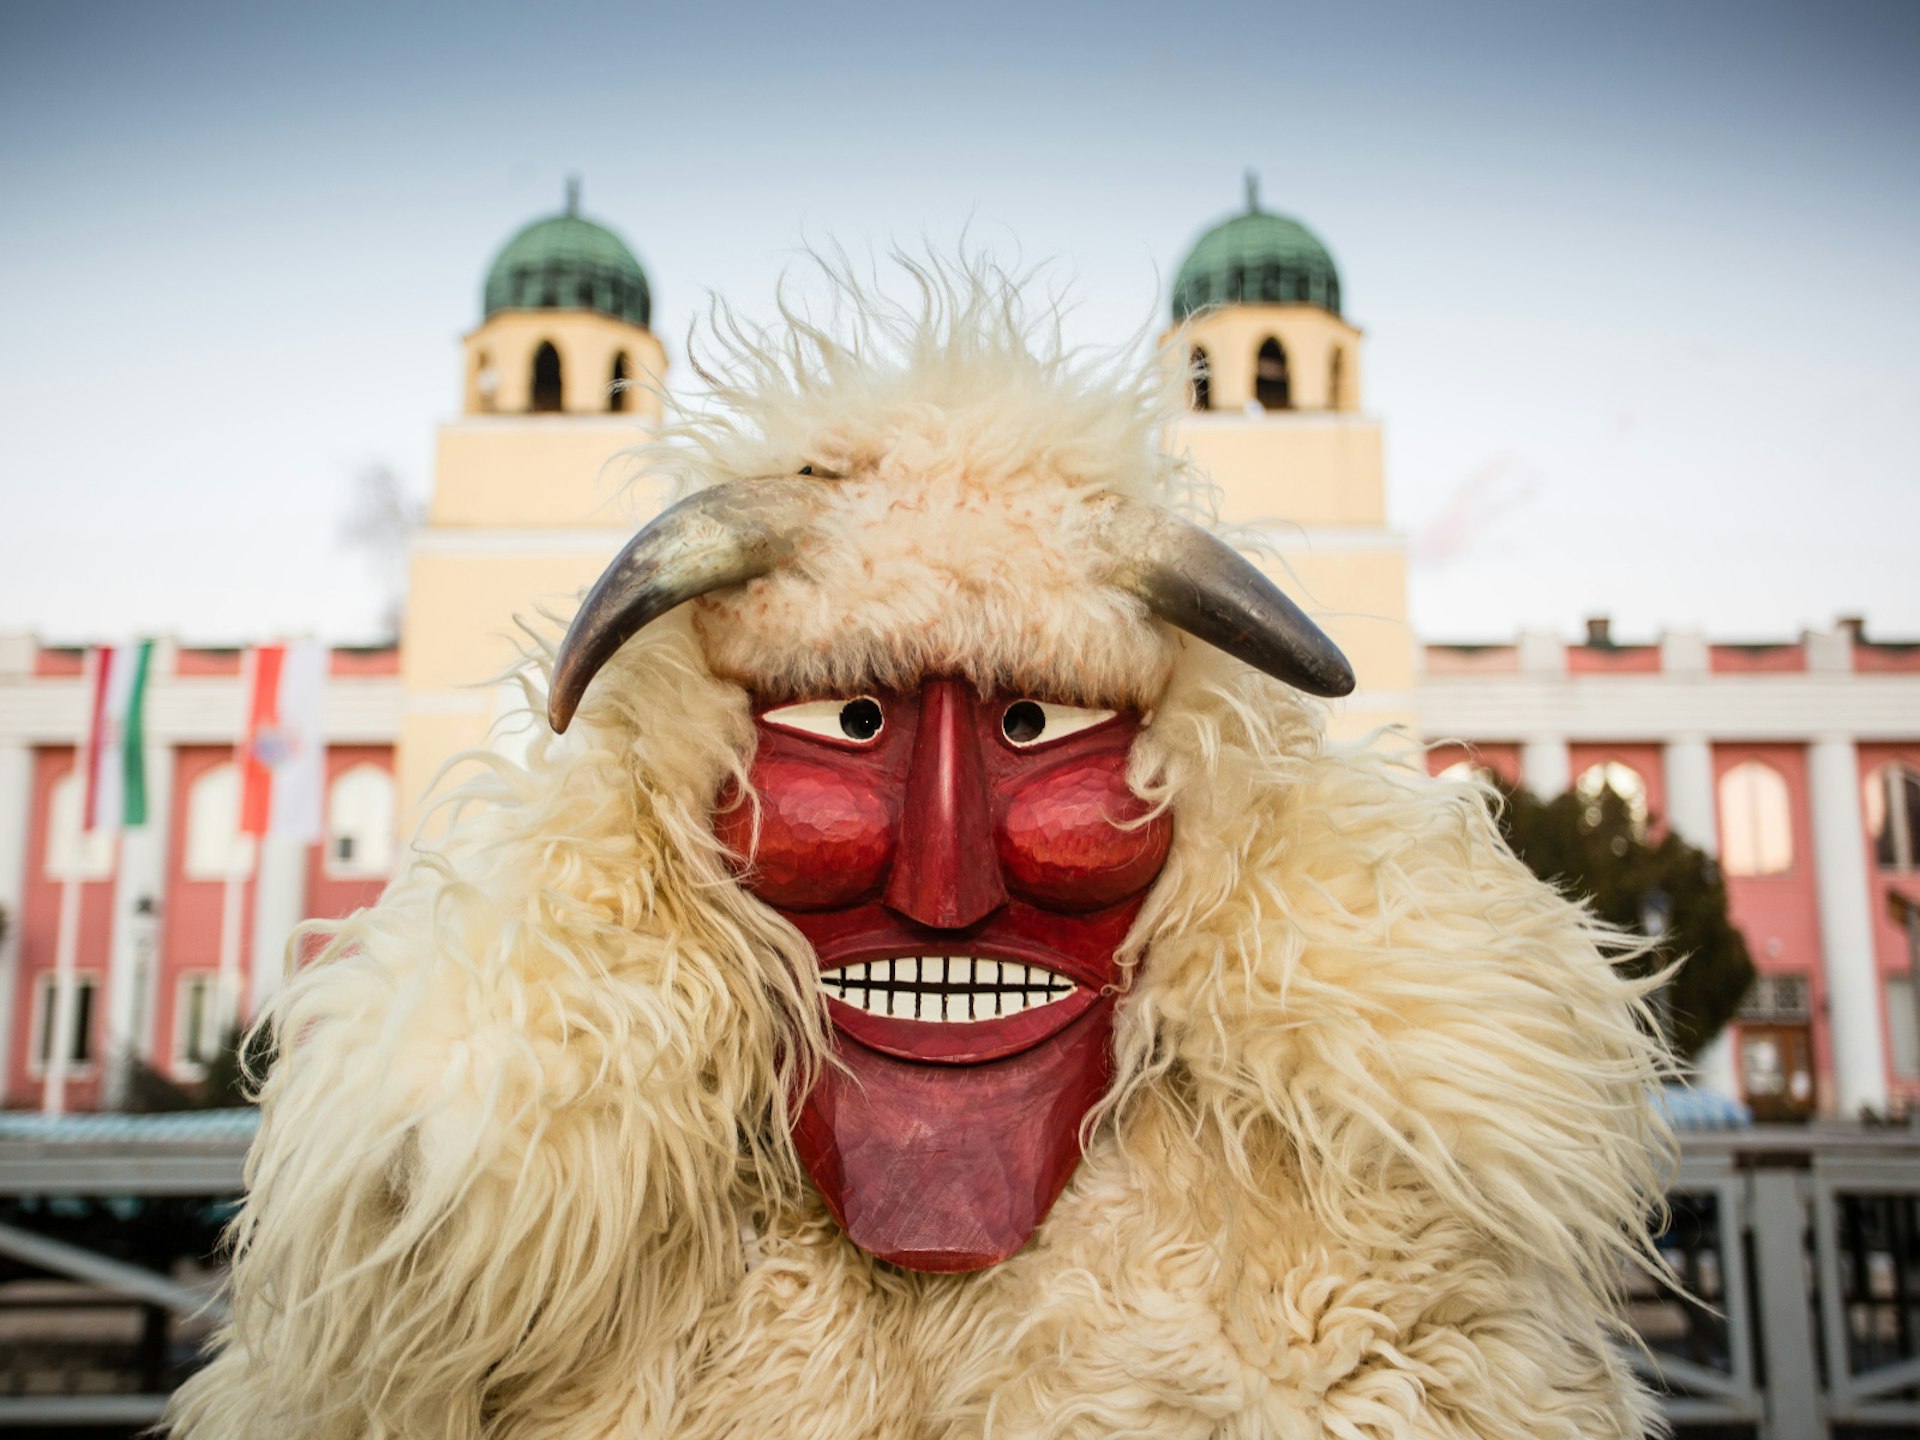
{"x":1798,"y":764}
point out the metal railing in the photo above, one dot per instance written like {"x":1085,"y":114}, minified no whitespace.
{"x":1797,"y":1251}
{"x":1800,"y":1248}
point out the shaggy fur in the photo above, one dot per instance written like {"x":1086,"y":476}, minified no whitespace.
{"x":1380,"y":1143}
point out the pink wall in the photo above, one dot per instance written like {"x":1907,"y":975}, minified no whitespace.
{"x":1502,"y":759}
{"x":329,"y":896}
{"x":1870,"y":658}
{"x":39,"y":922}
{"x":1890,"y":945}
{"x":190,"y":918}
{"x":1780,"y":914}
{"x":1613,"y":659}
{"x":1757,"y":659}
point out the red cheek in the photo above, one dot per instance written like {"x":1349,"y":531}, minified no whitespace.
{"x":826,"y":838}
{"x":1060,"y":846}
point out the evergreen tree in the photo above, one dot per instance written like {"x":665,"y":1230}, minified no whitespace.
{"x":1595,"y":848}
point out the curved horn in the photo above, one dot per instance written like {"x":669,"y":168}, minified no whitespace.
{"x":1195,"y":581}
{"x":724,"y":536}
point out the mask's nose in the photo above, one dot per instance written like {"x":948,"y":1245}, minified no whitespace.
{"x":945,"y":871}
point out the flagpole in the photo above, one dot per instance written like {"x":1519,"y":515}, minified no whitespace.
{"x":66,"y":942}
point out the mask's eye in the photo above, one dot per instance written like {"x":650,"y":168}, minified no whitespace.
{"x":1027,"y":723}
{"x":859,"y":720}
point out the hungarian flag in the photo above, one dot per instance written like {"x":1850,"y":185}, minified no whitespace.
{"x":284,"y":756}
{"x":115,"y":754}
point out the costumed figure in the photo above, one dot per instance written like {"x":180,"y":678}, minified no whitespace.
{"x":941,"y":983}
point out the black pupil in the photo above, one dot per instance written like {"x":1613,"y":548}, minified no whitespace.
{"x":860,"y":719}
{"x":1023,"y":722}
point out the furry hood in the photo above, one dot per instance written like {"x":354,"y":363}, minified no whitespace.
{"x":1380,"y":1142}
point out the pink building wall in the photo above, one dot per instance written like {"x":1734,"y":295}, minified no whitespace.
{"x":1780,"y":914}
{"x":1891,"y":951}
{"x":39,"y":923}
{"x":1502,"y":759}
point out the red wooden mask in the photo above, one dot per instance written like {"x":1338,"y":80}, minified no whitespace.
{"x":965,"y":870}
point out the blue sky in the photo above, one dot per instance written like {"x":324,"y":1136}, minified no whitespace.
{"x":1638,"y":281}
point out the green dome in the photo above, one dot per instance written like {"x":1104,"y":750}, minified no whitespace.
{"x":568,"y":263}
{"x":1257,"y":259}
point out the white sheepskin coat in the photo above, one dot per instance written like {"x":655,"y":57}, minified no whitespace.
{"x":1380,"y":1147}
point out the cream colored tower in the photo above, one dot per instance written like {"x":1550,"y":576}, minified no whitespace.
{"x":1276,"y":422}
{"x":529,"y":502}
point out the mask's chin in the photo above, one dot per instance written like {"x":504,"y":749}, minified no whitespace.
{"x":951,"y":1167}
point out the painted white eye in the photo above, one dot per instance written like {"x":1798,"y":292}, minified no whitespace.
{"x":860,"y":719}
{"x":1027,"y":723}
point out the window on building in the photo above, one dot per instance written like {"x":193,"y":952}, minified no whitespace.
{"x":1271,"y":385}
{"x":79,"y":1046}
{"x":216,"y":848}
{"x":617,"y":398}
{"x":198,"y":1023}
{"x":70,"y":854}
{"x":360,"y":823}
{"x":1200,"y":380}
{"x":1893,"y":816}
{"x":1903,"y":1027}
{"x":1336,"y":379}
{"x":1622,"y":780}
{"x":546,"y":378}
{"x":1756,"y":821}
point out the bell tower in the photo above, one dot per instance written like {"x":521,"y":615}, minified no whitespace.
{"x":561,"y":376}
{"x":1275,"y":419}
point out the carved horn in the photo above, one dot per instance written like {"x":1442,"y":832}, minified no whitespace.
{"x":724,"y":536}
{"x":1203,"y":586}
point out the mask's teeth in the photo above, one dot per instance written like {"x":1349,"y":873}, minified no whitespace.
{"x":945,"y":989}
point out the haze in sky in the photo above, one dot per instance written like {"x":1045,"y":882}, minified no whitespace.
{"x":1638,"y":281}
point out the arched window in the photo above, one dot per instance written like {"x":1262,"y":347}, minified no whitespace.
{"x":71,"y":854}
{"x":360,"y":822}
{"x":546,"y":378}
{"x":486,"y":380}
{"x":1199,"y":380}
{"x":1336,"y":379}
{"x":215,"y":847}
{"x":1893,"y":816}
{"x":1271,"y":387}
{"x":1756,"y":821}
{"x":617,"y":398}
{"x":1622,"y":780}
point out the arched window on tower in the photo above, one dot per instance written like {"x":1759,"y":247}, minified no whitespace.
{"x":1199,"y":380}
{"x":1337,"y":379}
{"x":617,"y":397}
{"x":546,"y":378}
{"x":1756,"y":821}
{"x":1271,"y":385}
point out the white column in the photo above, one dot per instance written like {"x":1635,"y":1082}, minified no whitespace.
{"x":1692,"y":812}
{"x":1846,"y":925}
{"x":16,"y":815}
{"x":1545,"y":767}
{"x":279,"y":904}
{"x":139,"y":893}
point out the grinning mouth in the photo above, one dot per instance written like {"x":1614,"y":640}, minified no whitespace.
{"x":950,"y":989}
